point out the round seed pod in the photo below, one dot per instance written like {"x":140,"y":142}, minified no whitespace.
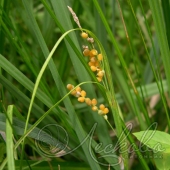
{"x":78,"y":89}
{"x":97,"y":64}
{"x":88,"y":101}
{"x":84,"y":35}
{"x":86,"y":52}
{"x":74,"y":92}
{"x":100,"y":57}
{"x":99,"y":79}
{"x":102,"y":107}
{"x":100,"y":73}
{"x":94,"y":52}
{"x":94,"y":108}
{"x":100,"y":112}
{"x":83,"y":93}
{"x":91,"y":63}
{"x":70,"y":86}
{"x":93,"y":60}
{"x":93,"y":68}
{"x":94,"y":101}
{"x":81,"y":99}
{"x":106,"y":110}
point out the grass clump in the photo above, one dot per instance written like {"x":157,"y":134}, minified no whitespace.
{"x":84,"y":98}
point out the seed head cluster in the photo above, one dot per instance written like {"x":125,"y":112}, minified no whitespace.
{"x":81,"y":95}
{"x":94,"y":58}
{"x":95,"y":63}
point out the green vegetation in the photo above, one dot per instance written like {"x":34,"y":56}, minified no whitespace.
{"x":115,"y":63}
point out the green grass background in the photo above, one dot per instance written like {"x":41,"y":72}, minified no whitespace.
{"x":135,"y":36}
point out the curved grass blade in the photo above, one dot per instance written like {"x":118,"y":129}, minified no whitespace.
{"x":123,"y":64}
{"x":40,"y":75}
{"x":56,"y":77}
{"x":9,"y":139}
{"x":122,"y":61}
{"x":81,"y":67}
{"x":59,"y":84}
{"x":117,"y":115}
{"x":23,"y":80}
{"x":156,"y":74}
{"x":166,"y":9}
{"x":163,"y":42}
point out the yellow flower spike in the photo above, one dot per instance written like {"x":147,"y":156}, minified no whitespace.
{"x":83,"y":93}
{"x":81,"y":99}
{"x":94,"y":102}
{"x":94,"y":108}
{"x":93,"y":68}
{"x":84,"y":35}
{"x":102,"y":107}
{"x":106,"y":110}
{"x":70,"y":86}
{"x":86,"y":52}
{"x":88,"y":101}
{"x":100,"y":57}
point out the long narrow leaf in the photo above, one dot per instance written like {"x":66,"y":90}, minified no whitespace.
{"x":9,"y":139}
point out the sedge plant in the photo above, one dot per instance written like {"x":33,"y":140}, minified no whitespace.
{"x":107,"y":105}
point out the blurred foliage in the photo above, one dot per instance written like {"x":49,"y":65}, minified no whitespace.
{"x":25,"y":44}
